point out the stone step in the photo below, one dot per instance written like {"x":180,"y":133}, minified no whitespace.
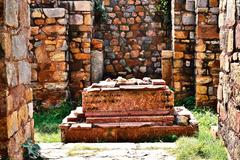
{"x":127,"y":133}
{"x":129,"y":113}
{"x":131,"y":124}
{"x":163,"y":119}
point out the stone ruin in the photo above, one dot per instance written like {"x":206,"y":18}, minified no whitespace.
{"x":127,"y":110}
{"x":64,"y":42}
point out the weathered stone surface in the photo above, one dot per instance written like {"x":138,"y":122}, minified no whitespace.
{"x":97,"y":66}
{"x":11,"y":13}
{"x":204,"y":80}
{"x":230,"y":15}
{"x":190,"y":5}
{"x":54,"y":12}
{"x":76,"y":19}
{"x":83,"y":6}
{"x":237,"y":39}
{"x":210,"y":30}
{"x":188,"y":19}
{"x":24,"y":70}
{"x":19,"y":50}
{"x":202,"y":3}
{"x":56,"y":29}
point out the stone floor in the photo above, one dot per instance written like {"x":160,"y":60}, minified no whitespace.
{"x":107,"y":151}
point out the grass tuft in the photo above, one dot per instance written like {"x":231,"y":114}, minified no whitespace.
{"x":47,"y":121}
{"x":203,"y":146}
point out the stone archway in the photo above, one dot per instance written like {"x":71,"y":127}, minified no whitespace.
{"x":16,"y":107}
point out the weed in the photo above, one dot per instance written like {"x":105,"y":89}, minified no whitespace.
{"x":31,"y":150}
{"x":202,"y":146}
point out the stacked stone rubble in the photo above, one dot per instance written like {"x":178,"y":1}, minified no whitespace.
{"x":183,"y":32}
{"x":50,"y":60}
{"x":16,"y":107}
{"x":229,"y":79}
{"x":134,"y":37}
{"x":207,"y":52}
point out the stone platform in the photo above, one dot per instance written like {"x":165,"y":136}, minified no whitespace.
{"x":129,"y":111}
{"x":75,"y":129}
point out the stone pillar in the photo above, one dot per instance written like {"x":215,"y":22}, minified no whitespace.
{"x":80,"y":36}
{"x":229,"y":78}
{"x":183,"y":31}
{"x":16,"y":107}
{"x":167,"y":66}
{"x":207,"y":52}
{"x":97,"y":66}
{"x":50,"y":63}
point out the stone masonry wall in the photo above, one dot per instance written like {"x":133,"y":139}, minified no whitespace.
{"x":80,"y":37}
{"x":131,"y":43}
{"x":50,"y":60}
{"x":16,"y":107}
{"x":229,"y":85}
{"x":184,"y":21}
{"x":207,"y":52}
{"x":133,"y":39}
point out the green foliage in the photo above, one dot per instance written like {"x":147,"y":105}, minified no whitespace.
{"x":99,"y":11}
{"x":31,"y":150}
{"x":202,"y":146}
{"x":163,"y":8}
{"x":188,"y":102}
{"x":47,"y":122}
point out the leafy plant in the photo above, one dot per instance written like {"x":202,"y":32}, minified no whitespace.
{"x":163,"y":13}
{"x":31,"y":150}
{"x":188,"y":102}
{"x":99,"y":11}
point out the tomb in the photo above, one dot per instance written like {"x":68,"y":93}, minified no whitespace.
{"x":127,"y":111}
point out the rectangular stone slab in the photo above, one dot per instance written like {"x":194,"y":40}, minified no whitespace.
{"x":126,"y":134}
{"x":130,"y":100}
{"x":129,"y":113}
{"x":163,"y":119}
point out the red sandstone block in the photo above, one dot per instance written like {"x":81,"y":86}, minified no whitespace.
{"x":130,"y":134}
{"x":131,"y":124}
{"x":129,"y":113}
{"x":130,"y":100}
{"x":158,"y":82}
{"x":130,"y":119}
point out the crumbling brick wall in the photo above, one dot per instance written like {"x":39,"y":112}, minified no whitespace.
{"x":229,"y":88}
{"x":16,"y":107}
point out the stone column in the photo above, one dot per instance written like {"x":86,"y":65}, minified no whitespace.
{"x":50,"y":63}
{"x":167,"y":66}
{"x":183,"y":30}
{"x":229,"y":78}
{"x":207,"y":52}
{"x":80,"y":36}
{"x":16,"y":107}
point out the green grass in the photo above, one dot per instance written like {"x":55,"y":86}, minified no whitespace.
{"x":47,"y":121}
{"x":203,"y":146}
